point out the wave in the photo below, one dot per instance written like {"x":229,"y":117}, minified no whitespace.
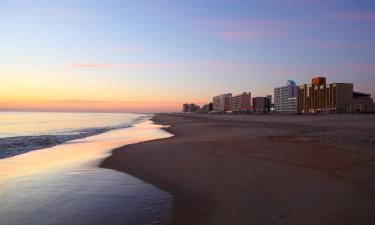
{"x":12,"y":146}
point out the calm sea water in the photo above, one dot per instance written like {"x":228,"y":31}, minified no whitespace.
{"x":21,"y":132}
{"x":62,"y":184}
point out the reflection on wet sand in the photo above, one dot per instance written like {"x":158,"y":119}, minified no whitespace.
{"x":77,"y":152}
{"x":63,"y":184}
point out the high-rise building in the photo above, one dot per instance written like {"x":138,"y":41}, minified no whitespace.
{"x":362,"y":103}
{"x":241,"y":102}
{"x":185,"y":107}
{"x":285,"y":98}
{"x":207,"y":108}
{"x":324,"y":98}
{"x":269,"y":101}
{"x":222,"y":103}
{"x":262,"y":104}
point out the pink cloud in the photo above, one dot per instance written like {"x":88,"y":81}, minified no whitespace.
{"x":251,"y":35}
{"x":219,"y":64}
{"x":233,"y":24}
{"x":352,"y":16}
{"x":250,"y":29}
{"x":286,"y":71}
{"x":94,"y":65}
{"x":268,"y":24}
{"x":227,"y":65}
{"x":333,"y":44}
{"x":127,"y":66}
{"x":202,"y":64}
{"x":360,"y":66}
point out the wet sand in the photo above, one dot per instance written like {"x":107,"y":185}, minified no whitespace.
{"x":63,"y":184}
{"x":260,"y":169}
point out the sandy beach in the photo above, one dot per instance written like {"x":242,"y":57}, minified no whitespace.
{"x":260,"y":169}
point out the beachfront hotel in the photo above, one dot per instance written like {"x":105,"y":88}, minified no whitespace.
{"x":320,"y":97}
{"x":317,"y":97}
{"x":241,"y":102}
{"x":286,"y":98}
{"x":362,"y":102}
{"x":222,"y":103}
{"x":262,"y":104}
{"x":228,"y":103}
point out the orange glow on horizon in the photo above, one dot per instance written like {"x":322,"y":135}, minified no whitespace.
{"x":92,"y":106}
{"x":40,"y":92}
{"x":87,"y":106}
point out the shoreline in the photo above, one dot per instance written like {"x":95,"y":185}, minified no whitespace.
{"x":181,"y":199}
{"x":66,"y":179}
{"x":239,"y":169}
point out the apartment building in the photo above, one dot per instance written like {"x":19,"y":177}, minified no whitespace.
{"x":262,"y":104}
{"x":285,"y":98}
{"x":320,"y":97}
{"x":241,"y":102}
{"x":362,"y":103}
{"x":222,"y":103}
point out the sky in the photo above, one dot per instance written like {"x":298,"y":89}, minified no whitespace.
{"x":154,"y":55}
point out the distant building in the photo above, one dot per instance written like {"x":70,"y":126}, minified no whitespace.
{"x":185,"y":107}
{"x":193,"y":107}
{"x":207,"y":108}
{"x":259,"y":104}
{"x":269,"y":101}
{"x":362,"y":103}
{"x":222,"y":103}
{"x":320,"y":97}
{"x":285,"y":98}
{"x":190,"y":107}
{"x":262,"y":104}
{"x":241,"y":102}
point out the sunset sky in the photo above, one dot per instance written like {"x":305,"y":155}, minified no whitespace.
{"x":153,"y":55}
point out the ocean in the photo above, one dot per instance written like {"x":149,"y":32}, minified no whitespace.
{"x":49,"y":170}
{"x":21,"y":132}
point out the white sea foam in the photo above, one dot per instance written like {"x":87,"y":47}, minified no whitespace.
{"x":23,"y":132}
